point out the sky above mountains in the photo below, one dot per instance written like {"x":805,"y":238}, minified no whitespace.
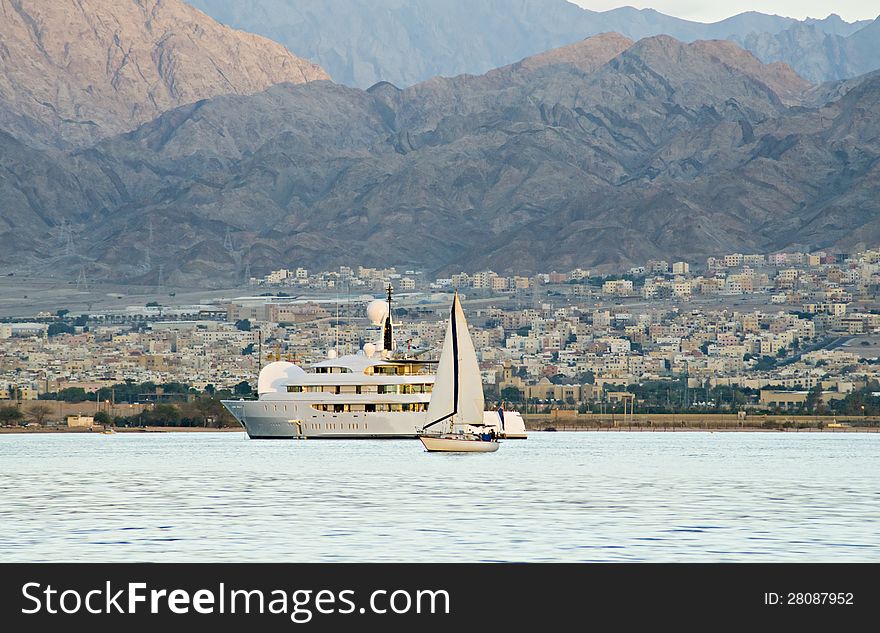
{"x":702,"y":11}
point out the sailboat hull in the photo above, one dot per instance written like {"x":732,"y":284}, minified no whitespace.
{"x":456,"y":445}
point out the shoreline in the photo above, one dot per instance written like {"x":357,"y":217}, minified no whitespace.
{"x":571,"y":429}
{"x":559,"y":428}
{"x":120,"y":430}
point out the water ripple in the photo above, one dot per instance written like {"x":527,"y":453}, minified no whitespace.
{"x":556,"y":497}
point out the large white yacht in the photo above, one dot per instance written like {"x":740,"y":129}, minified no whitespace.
{"x":372,"y":394}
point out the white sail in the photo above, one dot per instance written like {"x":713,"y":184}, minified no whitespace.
{"x":442,"y":404}
{"x":470,"y":384}
{"x":457,"y":396}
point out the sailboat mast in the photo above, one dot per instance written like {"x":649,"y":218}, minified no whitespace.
{"x":442,"y":371}
{"x":454,"y":362}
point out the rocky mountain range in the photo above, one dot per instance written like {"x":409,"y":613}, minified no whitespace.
{"x":605,"y":152}
{"x":404,"y":42}
{"x":75,"y":71}
{"x":819,"y":55}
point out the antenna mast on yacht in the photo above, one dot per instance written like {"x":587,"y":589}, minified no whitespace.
{"x":388,"y":335}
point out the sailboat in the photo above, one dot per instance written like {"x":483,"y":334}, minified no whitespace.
{"x":456,"y":406}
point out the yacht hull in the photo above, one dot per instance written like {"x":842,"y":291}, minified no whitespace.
{"x":286,"y":420}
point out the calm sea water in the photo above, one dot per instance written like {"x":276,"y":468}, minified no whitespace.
{"x":554,"y":497}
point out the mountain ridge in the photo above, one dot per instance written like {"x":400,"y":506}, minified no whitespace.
{"x":405,"y":42}
{"x":667,"y":149}
{"x":76,"y":71}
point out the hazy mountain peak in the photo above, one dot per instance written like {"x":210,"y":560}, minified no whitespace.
{"x":587,"y":55}
{"x":778,"y":76}
{"x":78,"y":70}
{"x":362,"y":42}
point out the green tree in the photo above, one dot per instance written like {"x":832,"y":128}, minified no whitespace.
{"x":765,"y":363}
{"x":243,"y":388}
{"x":587,"y":377}
{"x":163,"y":414}
{"x":814,"y":397}
{"x":10,"y":414}
{"x":59,"y":328}
{"x":73,"y":394}
{"x":103,"y":418}
{"x":511,"y":394}
{"x":244,"y":325}
{"x":175,"y":387}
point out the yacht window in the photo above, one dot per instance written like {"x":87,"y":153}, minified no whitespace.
{"x":370,"y":408}
{"x":294,"y":388}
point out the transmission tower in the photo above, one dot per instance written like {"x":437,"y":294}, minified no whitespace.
{"x":67,"y":237}
{"x":82,"y":282}
{"x":227,"y":241}
{"x":160,"y":283}
{"x":148,"y":259}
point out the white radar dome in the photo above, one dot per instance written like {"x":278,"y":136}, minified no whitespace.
{"x":275,"y":377}
{"x":331,"y":354}
{"x":369,"y":350}
{"x":377,"y":310}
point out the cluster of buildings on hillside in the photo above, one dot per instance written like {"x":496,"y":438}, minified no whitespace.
{"x":563,"y":337}
{"x":818,"y":278}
